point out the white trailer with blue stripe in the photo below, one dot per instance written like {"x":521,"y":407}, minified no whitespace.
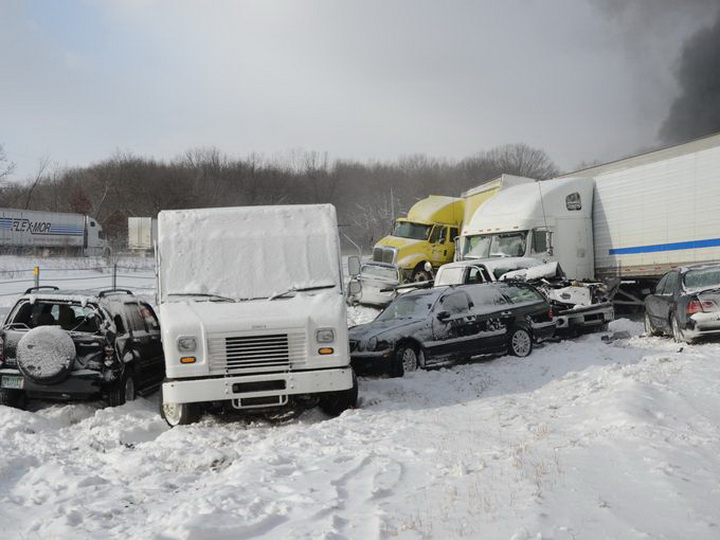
{"x":624,"y":223}
{"x":26,"y":231}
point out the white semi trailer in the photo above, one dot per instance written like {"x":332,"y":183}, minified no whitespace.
{"x":31,"y":230}
{"x":624,"y":224}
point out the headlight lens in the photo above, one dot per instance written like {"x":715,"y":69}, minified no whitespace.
{"x":372,"y":344}
{"x":186,"y":344}
{"x":325,"y":335}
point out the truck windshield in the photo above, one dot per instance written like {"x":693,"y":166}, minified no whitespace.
{"x":414,"y":231}
{"x":495,"y":245}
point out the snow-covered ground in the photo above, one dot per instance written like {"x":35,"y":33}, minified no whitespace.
{"x":583,"y":439}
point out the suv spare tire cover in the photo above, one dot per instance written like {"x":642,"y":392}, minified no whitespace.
{"x":45,"y":354}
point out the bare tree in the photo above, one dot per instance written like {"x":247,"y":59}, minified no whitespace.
{"x":6,"y":167}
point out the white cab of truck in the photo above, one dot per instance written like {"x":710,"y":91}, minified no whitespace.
{"x":252,"y":311}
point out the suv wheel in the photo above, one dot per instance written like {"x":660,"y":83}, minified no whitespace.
{"x":121,"y":391}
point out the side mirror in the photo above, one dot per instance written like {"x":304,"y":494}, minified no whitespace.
{"x":354,"y":287}
{"x":353,"y":265}
{"x":443,"y":316}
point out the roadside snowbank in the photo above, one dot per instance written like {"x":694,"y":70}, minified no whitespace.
{"x":582,"y":439}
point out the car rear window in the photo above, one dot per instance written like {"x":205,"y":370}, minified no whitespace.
{"x":702,"y":278}
{"x":518,"y":295}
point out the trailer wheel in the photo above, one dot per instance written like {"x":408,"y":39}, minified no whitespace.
{"x":336,"y":403}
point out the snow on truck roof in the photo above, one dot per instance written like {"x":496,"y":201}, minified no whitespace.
{"x":248,"y":252}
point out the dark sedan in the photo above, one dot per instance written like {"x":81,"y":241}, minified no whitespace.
{"x":685,"y":304}
{"x":431,"y":326}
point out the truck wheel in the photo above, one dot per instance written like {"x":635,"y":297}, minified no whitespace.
{"x":179,"y":414}
{"x":420,"y":274}
{"x":122,"y":390}
{"x":405,"y":360}
{"x":12,"y":398}
{"x":520,"y":342}
{"x":336,"y":403}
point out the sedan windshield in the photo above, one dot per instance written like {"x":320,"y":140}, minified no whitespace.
{"x":495,"y":245}
{"x":410,"y":306}
{"x":414,"y":231}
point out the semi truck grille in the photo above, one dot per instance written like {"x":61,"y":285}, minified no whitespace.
{"x":256,"y":353}
{"x":385,"y":255}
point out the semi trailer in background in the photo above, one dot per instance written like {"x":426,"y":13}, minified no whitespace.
{"x":29,"y":231}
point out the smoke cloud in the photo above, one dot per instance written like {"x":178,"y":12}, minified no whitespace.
{"x":696,"y":111}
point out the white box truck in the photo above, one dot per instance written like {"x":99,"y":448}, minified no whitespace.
{"x":252,"y":311}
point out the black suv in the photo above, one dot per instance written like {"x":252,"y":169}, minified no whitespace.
{"x":79,"y":344}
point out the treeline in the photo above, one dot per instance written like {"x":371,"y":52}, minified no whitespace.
{"x":367,"y":195}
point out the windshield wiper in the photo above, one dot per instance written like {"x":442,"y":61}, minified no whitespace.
{"x":208,"y":297}
{"x":301,"y":289}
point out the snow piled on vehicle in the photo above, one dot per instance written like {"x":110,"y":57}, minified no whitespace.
{"x":45,"y":352}
{"x":610,"y":435}
{"x":239,"y":258}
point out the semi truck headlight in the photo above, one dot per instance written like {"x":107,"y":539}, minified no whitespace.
{"x":325,"y":335}
{"x":186,"y":344}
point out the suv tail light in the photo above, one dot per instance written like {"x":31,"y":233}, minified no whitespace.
{"x":697,"y":306}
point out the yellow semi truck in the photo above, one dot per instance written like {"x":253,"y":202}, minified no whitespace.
{"x":428,"y":233}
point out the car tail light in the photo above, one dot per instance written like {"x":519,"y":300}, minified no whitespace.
{"x":2,"y":351}
{"x":697,"y":306}
{"x":550,"y":314}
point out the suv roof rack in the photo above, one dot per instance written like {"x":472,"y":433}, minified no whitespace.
{"x":108,"y":292}
{"x":51,"y":287}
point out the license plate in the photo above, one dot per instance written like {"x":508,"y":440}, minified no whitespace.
{"x":11,"y":381}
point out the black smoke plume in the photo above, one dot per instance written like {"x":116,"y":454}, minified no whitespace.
{"x":696,"y":111}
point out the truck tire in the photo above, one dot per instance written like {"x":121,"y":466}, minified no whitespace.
{"x":122,"y":390}
{"x":520,"y":342}
{"x":46,"y":354}
{"x":179,"y":414}
{"x":420,"y":274}
{"x":336,"y":403}
{"x":404,"y":360}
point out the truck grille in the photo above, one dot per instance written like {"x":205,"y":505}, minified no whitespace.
{"x":385,"y":255}
{"x":256,"y":353}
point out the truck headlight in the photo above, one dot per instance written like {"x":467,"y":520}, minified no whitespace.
{"x":325,"y":335}
{"x":187,"y":344}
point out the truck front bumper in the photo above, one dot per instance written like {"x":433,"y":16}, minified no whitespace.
{"x":260,"y":390}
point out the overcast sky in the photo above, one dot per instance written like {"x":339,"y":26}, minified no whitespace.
{"x":584,"y":80}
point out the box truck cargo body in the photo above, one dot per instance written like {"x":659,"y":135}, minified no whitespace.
{"x":252,"y":310}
